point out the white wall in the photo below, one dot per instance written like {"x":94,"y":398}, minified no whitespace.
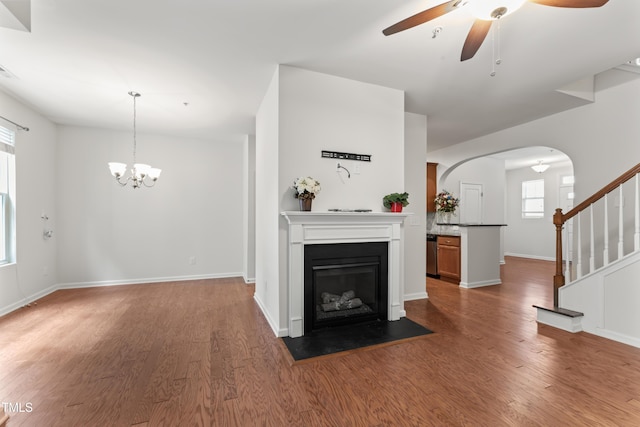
{"x":109,"y":234}
{"x":267,"y":288}
{"x":302,"y":114}
{"x":322,"y":112}
{"x":415,"y":228}
{"x":534,"y":237}
{"x":600,"y":138}
{"x":488,"y":172}
{"x":34,"y":273}
{"x":249,"y":209}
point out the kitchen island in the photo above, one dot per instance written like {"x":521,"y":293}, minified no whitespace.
{"x":480,"y":252}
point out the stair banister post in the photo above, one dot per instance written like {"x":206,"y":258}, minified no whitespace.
{"x":636,"y":234}
{"x":620,"y":222}
{"x":558,"y":279}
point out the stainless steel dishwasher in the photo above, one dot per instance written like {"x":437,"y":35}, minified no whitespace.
{"x":432,"y":255}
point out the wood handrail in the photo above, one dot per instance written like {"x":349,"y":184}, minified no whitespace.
{"x":559,"y":220}
{"x":600,"y":194}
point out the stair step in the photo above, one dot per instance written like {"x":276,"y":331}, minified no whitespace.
{"x":560,"y":310}
{"x":561,"y":318}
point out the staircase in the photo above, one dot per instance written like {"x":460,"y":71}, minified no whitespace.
{"x":596,"y":285}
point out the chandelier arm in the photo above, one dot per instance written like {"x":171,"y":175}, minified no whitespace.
{"x":153,"y":182}
{"x":120,"y":182}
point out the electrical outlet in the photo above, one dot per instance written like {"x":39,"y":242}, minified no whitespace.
{"x":356,"y":169}
{"x":192,"y":260}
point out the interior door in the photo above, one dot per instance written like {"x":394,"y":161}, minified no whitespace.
{"x":471,"y":203}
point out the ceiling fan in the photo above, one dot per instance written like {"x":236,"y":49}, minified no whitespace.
{"x":486,"y":11}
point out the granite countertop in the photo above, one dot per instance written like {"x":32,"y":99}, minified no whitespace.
{"x":442,"y":229}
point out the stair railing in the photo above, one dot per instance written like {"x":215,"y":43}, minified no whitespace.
{"x":560,"y":219}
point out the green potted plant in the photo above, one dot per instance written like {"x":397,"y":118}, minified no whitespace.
{"x":396,"y":201}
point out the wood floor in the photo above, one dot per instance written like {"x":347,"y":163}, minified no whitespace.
{"x":200,"y":353}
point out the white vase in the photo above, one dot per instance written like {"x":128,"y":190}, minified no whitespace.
{"x":445,"y":217}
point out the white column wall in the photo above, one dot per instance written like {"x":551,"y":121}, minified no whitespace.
{"x":415,"y":227}
{"x":303,"y":113}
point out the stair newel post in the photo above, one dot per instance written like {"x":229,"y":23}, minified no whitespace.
{"x":558,"y":279}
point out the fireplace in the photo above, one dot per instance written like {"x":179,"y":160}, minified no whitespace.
{"x":308,"y":229}
{"x":345,"y":283}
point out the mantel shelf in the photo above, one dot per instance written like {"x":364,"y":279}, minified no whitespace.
{"x":349,"y":217}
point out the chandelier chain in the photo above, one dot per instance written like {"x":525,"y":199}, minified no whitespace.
{"x":135,"y":142}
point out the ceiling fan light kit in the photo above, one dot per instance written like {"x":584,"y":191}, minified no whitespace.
{"x":486,"y":12}
{"x":492,"y":10}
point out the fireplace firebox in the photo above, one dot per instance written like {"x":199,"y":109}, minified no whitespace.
{"x":345,"y":283}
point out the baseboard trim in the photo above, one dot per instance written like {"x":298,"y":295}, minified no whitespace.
{"x":480,"y":284}
{"x":416,"y":296}
{"x":616,"y":336}
{"x":541,"y":258}
{"x":79,"y":285}
{"x":284,"y":332}
{"x":27,"y":300}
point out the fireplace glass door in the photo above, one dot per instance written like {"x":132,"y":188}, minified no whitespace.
{"x":345,"y":283}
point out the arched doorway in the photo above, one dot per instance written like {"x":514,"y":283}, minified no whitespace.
{"x":500,"y":178}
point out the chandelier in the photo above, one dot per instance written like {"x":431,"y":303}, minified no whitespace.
{"x":141,"y":173}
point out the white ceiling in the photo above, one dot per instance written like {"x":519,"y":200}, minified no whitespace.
{"x":529,"y":156}
{"x":83,"y":56}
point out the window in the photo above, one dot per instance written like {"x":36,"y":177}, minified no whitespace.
{"x":7,"y":196}
{"x":533,"y":199}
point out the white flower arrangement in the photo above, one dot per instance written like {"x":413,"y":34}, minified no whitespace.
{"x":306,"y":188}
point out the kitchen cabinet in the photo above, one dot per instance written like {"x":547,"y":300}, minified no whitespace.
{"x":431,"y":186}
{"x":449,"y":258}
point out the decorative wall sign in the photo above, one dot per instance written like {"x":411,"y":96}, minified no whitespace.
{"x":346,"y":156}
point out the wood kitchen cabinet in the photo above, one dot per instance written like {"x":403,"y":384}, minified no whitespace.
{"x":431,"y":186}
{"x":449,"y":258}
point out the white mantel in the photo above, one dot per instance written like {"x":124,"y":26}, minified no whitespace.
{"x":312,"y":228}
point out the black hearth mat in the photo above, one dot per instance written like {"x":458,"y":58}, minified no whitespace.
{"x":351,"y":337}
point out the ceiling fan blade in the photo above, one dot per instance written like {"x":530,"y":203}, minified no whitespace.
{"x":422,"y":17}
{"x":571,"y":3}
{"x":476,"y":36}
